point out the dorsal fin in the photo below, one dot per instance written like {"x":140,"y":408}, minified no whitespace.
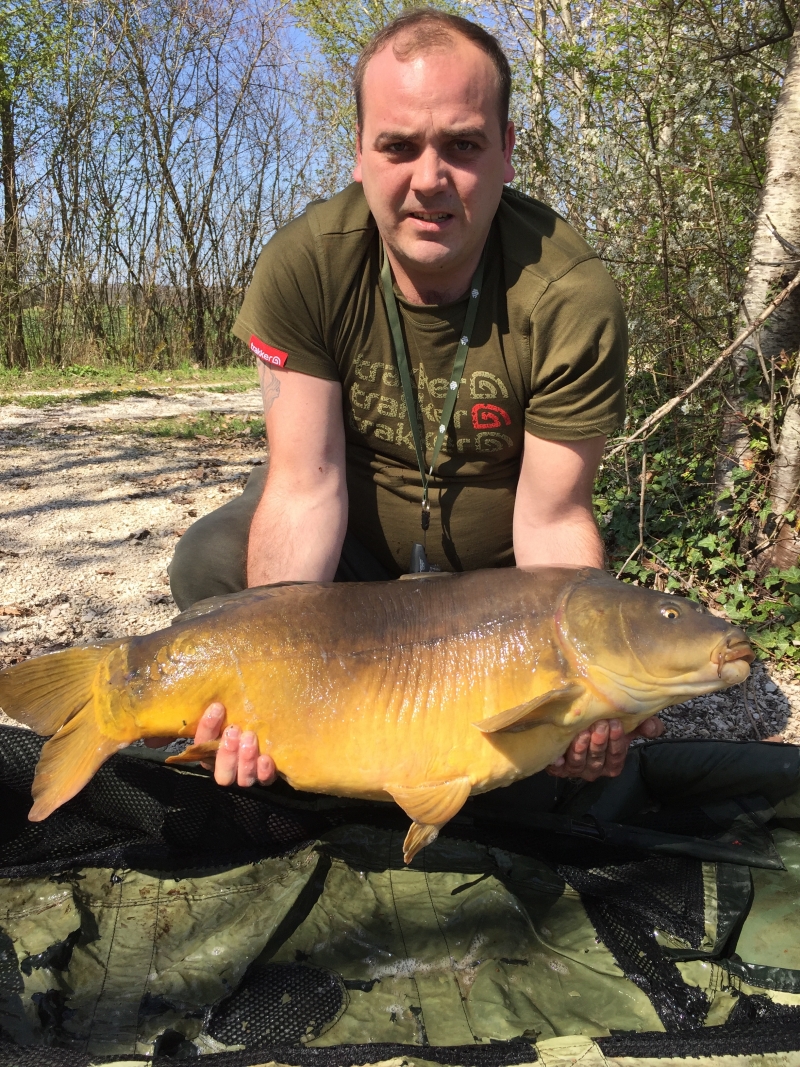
{"x":213,"y":603}
{"x":525,"y":716}
{"x":425,"y":574}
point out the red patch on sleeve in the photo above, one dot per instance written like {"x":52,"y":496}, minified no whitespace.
{"x":266,"y":353}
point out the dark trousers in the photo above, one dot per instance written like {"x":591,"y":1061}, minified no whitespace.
{"x":211,"y":557}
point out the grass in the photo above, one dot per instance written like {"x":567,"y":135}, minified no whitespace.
{"x":203,"y":425}
{"x":99,"y":396}
{"x":224,"y":379}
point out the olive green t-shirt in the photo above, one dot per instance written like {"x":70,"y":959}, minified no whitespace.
{"x":547,"y":355}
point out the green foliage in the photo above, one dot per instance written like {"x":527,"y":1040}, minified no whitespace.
{"x":689,"y":547}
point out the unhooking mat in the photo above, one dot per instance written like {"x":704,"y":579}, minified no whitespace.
{"x":647,"y":919}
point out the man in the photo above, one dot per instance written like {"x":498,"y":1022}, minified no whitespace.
{"x":388,"y":271}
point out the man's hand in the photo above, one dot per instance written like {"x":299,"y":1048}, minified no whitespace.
{"x":601,"y":751}
{"x":237,"y":760}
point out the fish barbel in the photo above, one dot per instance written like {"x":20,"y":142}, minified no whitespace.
{"x":422,"y":692}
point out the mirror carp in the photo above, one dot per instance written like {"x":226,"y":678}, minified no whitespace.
{"x":422,"y":692}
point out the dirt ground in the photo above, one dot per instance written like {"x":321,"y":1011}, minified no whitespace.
{"x":92,"y":505}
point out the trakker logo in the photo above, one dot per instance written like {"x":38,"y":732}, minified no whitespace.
{"x":266,"y":353}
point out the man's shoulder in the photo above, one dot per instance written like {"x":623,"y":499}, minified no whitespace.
{"x":344,"y":215}
{"x":539,"y":246}
{"x":330,"y":238}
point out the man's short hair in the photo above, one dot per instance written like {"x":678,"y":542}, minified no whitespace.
{"x":426,"y":29}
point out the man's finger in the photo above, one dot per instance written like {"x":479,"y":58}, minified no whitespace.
{"x":248,"y":759}
{"x":226,"y":764}
{"x":266,"y":770}
{"x":650,"y":728}
{"x":598,"y":743}
{"x":617,"y":750}
{"x":618,"y":741}
{"x":211,"y":723}
{"x":575,"y":756}
{"x":574,"y":759}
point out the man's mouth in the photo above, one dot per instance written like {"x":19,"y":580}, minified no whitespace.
{"x":430,"y":216}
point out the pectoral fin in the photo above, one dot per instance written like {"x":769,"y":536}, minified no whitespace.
{"x":195,"y":753}
{"x":526,"y":716}
{"x":430,"y":806}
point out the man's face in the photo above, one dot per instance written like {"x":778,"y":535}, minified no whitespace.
{"x":431,"y":156}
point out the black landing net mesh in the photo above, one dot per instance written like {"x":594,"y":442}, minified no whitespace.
{"x":626,"y":903}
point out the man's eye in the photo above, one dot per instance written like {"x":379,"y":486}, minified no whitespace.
{"x":398,"y":147}
{"x":464,"y":146}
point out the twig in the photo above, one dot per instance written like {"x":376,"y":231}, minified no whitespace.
{"x":784,"y":242}
{"x":672,"y":573}
{"x":773,"y":443}
{"x":641,"y":515}
{"x":670,"y":405}
{"x":753,"y":722}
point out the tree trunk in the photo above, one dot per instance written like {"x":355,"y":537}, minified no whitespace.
{"x":773,"y":264}
{"x":10,"y":303}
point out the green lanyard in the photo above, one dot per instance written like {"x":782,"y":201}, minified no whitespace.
{"x":405,"y":373}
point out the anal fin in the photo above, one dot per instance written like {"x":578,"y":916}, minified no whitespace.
{"x":195,"y":753}
{"x":430,"y":806}
{"x":533,"y":712}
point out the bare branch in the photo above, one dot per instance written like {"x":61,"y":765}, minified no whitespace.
{"x":657,"y":416}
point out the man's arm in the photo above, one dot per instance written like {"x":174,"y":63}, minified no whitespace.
{"x":554,"y":526}
{"x":299,"y":526}
{"x":553,"y":519}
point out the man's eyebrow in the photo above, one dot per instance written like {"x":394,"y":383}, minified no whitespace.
{"x":461,"y":133}
{"x":456,"y":133}
{"x":392,"y":137}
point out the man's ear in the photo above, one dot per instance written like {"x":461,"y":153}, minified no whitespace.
{"x":508,"y":148}
{"x":357,"y":167}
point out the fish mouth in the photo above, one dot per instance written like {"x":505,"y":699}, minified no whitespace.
{"x":733,"y":657}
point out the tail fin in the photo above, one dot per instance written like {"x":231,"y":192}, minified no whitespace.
{"x":44,"y":693}
{"x":54,"y":694}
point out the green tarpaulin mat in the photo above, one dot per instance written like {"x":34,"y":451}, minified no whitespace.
{"x":650,"y":918}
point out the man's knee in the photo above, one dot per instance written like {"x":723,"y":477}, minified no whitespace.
{"x":206,"y":564}
{"x":211,"y":557}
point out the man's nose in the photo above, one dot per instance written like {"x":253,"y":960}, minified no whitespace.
{"x":430,"y":173}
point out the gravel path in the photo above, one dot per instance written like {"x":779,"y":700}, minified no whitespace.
{"x":89,"y":518}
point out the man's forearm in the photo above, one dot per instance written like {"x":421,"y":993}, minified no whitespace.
{"x":297,"y":535}
{"x":573,"y":541}
{"x":553,"y":520}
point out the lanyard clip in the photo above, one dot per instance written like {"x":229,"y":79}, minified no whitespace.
{"x":426,"y":515}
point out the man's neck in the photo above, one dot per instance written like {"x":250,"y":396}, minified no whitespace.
{"x":419,"y":288}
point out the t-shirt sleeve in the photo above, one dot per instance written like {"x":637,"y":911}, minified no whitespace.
{"x":282,"y":316}
{"x":579,"y":350}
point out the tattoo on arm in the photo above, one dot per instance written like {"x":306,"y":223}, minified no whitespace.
{"x":270,"y":389}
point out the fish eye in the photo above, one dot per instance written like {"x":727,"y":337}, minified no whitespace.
{"x":670,"y":613}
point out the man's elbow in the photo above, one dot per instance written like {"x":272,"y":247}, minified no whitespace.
{"x":322,"y":480}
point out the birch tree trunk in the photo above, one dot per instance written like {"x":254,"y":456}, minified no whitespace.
{"x":537,"y":99}
{"x":773,"y":263}
{"x":770,"y":262}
